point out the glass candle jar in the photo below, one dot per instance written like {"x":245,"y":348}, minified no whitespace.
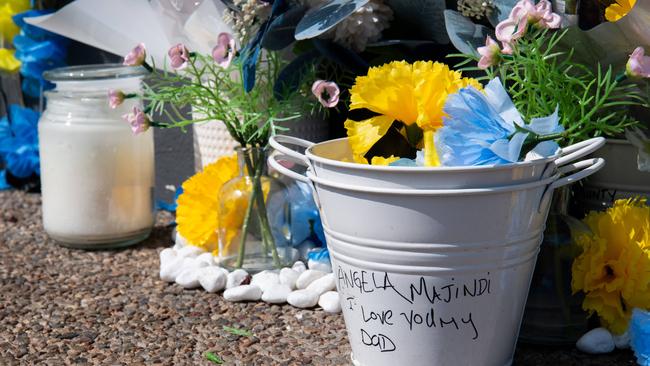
{"x":97,"y":178}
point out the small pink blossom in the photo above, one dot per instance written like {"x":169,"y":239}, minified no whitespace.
{"x":510,"y":30}
{"x":115,"y":98}
{"x":525,"y":12}
{"x":136,"y":56}
{"x":320,"y":87}
{"x":138,"y":120}
{"x":178,"y":56}
{"x":638,"y":66}
{"x":490,"y":53}
{"x":224,"y":52}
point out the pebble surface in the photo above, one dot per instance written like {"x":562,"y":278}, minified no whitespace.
{"x":60,"y":306}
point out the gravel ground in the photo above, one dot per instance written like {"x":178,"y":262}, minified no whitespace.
{"x":61,"y":306}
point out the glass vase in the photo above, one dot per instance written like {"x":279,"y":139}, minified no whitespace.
{"x":553,"y":314}
{"x":254,"y":217}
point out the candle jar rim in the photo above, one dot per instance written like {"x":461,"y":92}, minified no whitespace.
{"x":94,"y":72}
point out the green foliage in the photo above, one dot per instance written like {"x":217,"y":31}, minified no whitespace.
{"x":216,"y":93}
{"x":237,"y":331}
{"x":540,"y":77}
{"x":214,"y":358}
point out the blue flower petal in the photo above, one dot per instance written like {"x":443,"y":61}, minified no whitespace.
{"x":640,"y":336}
{"x":546,"y":125}
{"x":480,"y":128}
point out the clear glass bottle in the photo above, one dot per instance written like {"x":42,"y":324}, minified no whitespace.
{"x":97,"y":177}
{"x":254,"y":217}
{"x":553,"y":314}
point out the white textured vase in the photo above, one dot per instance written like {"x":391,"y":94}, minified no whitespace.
{"x":212,"y":140}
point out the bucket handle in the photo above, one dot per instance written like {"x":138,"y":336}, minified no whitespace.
{"x":585,"y":168}
{"x":276,"y":143}
{"x":275,"y":164}
{"x":578,"y":150}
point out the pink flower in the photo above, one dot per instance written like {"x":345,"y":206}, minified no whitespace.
{"x":525,"y":12}
{"x":136,"y":56}
{"x":115,"y":98}
{"x":320,"y":87}
{"x":179,"y":56}
{"x":138,"y":120}
{"x":490,"y":53}
{"x":510,"y":30}
{"x":224,"y":52}
{"x":638,"y":66}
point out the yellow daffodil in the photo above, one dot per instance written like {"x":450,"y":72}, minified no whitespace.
{"x":197,"y":214}
{"x":8,"y":9}
{"x":399,"y":91}
{"x":614,"y":269}
{"x":8,"y":62}
{"x":619,"y":9}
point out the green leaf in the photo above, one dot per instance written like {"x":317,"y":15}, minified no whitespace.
{"x":213,"y":358}
{"x":237,"y":331}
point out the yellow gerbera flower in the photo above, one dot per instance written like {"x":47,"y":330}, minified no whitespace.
{"x":614,"y":269}
{"x":619,"y":9}
{"x":399,"y":91}
{"x":8,"y":62}
{"x":197,"y":214}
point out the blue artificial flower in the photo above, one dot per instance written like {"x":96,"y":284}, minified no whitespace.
{"x":640,"y":336}
{"x":19,"y":142}
{"x":170,"y":206}
{"x":319,"y":255}
{"x":38,"y":50}
{"x":486,"y":128}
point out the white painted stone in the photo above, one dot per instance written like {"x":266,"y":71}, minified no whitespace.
{"x":320,"y":265}
{"x":190,"y":251}
{"x":323,"y":284}
{"x":243,"y":293}
{"x":596,"y":341}
{"x":188,"y":278}
{"x":265,"y":279}
{"x":206,"y":257}
{"x":171,"y":268}
{"x":276,"y":293}
{"x":307,"y":277}
{"x":235,"y":278}
{"x":166,"y":255}
{"x":330,"y":302}
{"x":180,"y":242}
{"x":299,"y":267}
{"x":212,"y":278}
{"x":622,"y":341}
{"x":288,"y":277}
{"x":303,"y":298}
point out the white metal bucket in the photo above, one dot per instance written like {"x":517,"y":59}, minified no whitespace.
{"x":446,"y":260}
{"x":420,"y":315}
{"x":332,"y":160}
{"x":444,"y":216}
{"x":434,"y":277}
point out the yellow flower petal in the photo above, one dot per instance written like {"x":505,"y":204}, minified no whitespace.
{"x":380,"y":160}
{"x":8,"y":9}
{"x":197,"y":214}
{"x":8,"y":62}
{"x":619,"y":9}
{"x":363,"y":135}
